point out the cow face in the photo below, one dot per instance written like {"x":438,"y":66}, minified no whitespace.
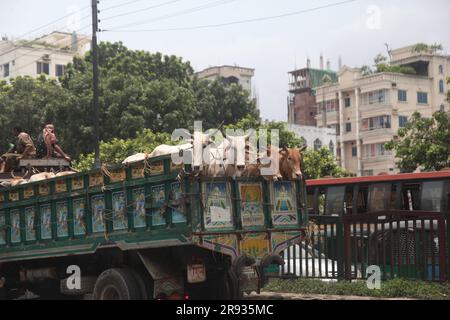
{"x":290,"y":160}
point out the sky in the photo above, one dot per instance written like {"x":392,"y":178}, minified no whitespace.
{"x":357,"y":31}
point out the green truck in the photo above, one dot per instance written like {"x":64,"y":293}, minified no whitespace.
{"x":148,"y":230}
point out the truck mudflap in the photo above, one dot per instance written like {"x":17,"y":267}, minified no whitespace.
{"x":167,"y":279}
{"x":248,"y":274}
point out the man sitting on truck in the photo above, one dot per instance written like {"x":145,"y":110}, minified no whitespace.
{"x":47,"y":144}
{"x":23,"y":149}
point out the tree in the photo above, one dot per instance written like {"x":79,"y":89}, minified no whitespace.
{"x":138,"y":90}
{"x":217,"y":103}
{"x":287,"y":138}
{"x":448,"y":92}
{"x":423,"y":142}
{"x":427,"y":48}
{"x":381,"y":64}
{"x":30,"y":103}
{"x":116,"y":150}
{"x":322,"y":163}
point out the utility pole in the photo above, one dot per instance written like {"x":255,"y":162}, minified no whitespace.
{"x":95,"y":84}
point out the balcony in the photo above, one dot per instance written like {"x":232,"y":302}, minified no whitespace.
{"x":348,"y":136}
{"x":377,"y":135}
{"x":377,"y":109}
{"x":374,"y":160}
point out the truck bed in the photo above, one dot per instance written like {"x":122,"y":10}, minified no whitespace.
{"x":147,"y":205}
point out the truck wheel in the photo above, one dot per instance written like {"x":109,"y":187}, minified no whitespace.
{"x":142,"y":285}
{"x":116,"y":284}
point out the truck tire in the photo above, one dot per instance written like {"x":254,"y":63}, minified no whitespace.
{"x":116,"y":284}
{"x":142,"y":285}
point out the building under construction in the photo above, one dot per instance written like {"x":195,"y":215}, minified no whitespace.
{"x":301,"y":100}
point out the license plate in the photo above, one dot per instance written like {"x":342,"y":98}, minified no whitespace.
{"x":196,"y":273}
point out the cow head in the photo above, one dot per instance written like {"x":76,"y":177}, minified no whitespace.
{"x":290,"y":162}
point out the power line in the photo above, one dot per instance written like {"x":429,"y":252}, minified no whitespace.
{"x":21,"y":37}
{"x":235,"y":22}
{"x":39,"y":48}
{"x":140,"y":10}
{"x":179,"y":13}
{"x":119,"y":5}
{"x":52,"y":22}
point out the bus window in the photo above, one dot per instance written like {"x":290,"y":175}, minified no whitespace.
{"x":379,"y":196}
{"x":362,"y":199}
{"x":335,"y":200}
{"x":431,"y":199}
{"x":410,"y":196}
{"x":348,"y":200}
{"x":393,"y":203}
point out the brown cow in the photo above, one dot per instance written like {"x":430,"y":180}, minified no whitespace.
{"x":290,"y":162}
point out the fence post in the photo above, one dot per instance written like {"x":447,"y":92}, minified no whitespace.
{"x":447,"y":229}
{"x":340,"y":247}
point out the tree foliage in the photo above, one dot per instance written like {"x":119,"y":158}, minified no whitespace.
{"x":427,"y":48}
{"x":138,"y":90}
{"x":287,"y":138}
{"x":116,"y":150}
{"x":423,"y":142}
{"x":381,"y":64}
{"x":322,"y":163}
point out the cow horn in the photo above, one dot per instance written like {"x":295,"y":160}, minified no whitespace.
{"x":12,"y":174}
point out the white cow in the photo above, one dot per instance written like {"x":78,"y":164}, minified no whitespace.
{"x":135,"y":158}
{"x":41,"y":176}
{"x":64,"y":173}
{"x":229,"y":158}
{"x":165,"y":149}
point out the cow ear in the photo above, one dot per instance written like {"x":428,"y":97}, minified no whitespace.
{"x":302,"y":148}
{"x":283,"y":150}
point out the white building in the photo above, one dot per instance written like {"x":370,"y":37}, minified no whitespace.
{"x":315,"y":137}
{"x":368,"y":110}
{"x":229,"y":74}
{"x":48,"y":54}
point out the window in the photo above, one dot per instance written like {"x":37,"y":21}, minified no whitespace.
{"x":348,"y":127}
{"x":331,"y":146}
{"x":328,"y":106}
{"x":347,"y":102}
{"x":422,"y":97}
{"x":354,"y":151}
{"x":401,"y":95}
{"x":441,"y":86}
{"x":378,"y":96}
{"x":432,"y":194}
{"x":43,"y":67}
{"x":375,"y":150}
{"x":441,"y":69}
{"x":6,"y":70}
{"x":402,"y":121}
{"x":374,"y":123}
{"x":317,"y":144}
{"x":59,"y":71}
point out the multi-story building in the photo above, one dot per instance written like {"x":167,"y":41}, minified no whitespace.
{"x":316,"y":138}
{"x":48,"y":54}
{"x":229,"y":74}
{"x":301,"y":100}
{"x":368,"y":110}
